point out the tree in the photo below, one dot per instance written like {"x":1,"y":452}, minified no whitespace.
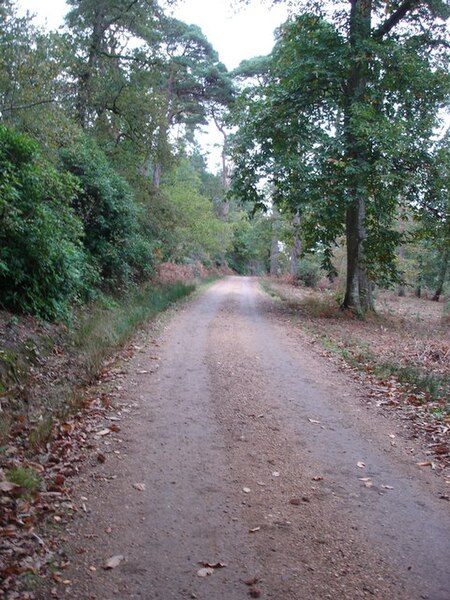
{"x":197,"y":233}
{"x":196,"y":84}
{"x":432,"y":211}
{"x":252,"y":237}
{"x":341,"y":123}
{"x":30,"y":68}
{"x":102,"y":36}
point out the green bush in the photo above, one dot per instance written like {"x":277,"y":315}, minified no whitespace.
{"x":43,"y":265}
{"x":106,"y":205}
{"x":308,"y":271}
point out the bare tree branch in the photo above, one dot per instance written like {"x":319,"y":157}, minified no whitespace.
{"x":401,"y":12}
{"x":13,"y":108}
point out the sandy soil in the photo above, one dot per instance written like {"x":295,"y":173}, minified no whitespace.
{"x":252,"y":451}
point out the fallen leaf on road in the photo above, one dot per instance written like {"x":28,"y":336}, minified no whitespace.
{"x":36,"y":467}
{"x":364,"y":478}
{"x":140,"y":487}
{"x":254,"y":530}
{"x":7,"y":486}
{"x":205,"y":572}
{"x":361,"y":464}
{"x":113,"y":562}
{"x":387,"y":487}
{"x":103,"y":432}
{"x":114,"y":428}
{"x":314,"y":421}
{"x":425,"y":463}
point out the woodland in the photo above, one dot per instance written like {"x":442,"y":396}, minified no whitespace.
{"x":335,"y":152}
{"x":334,"y":181}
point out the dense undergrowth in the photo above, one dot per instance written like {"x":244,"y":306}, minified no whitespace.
{"x":68,"y":227}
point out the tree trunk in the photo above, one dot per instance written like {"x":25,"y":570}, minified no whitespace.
{"x":224,"y":208}
{"x":84,"y":84}
{"x":358,"y":294}
{"x":296,"y":244}
{"x":442,"y":275}
{"x":401,"y":255}
{"x":419,"y":281}
{"x":274,"y":248}
{"x":157,"y":175}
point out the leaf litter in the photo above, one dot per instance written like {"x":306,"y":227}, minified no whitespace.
{"x":29,"y":546}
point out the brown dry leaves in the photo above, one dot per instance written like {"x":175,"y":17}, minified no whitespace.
{"x":27,"y":545}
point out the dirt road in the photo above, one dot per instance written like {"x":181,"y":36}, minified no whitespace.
{"x":257,"y":453}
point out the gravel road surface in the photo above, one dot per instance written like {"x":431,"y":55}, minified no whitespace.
{"x":254,"y":452}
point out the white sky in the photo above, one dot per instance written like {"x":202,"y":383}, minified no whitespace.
{"x":236,"y":33}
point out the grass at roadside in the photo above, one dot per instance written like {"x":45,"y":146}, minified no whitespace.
{"x":38,"y":387}
{"x":114,"y":321}
{"x":427,"y":386}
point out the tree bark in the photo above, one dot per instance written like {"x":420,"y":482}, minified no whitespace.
{"x":401,"y":255}
{"x":358,"y":294}
{"x":274,"y":248}
{"x":296,"y":244}
{"x":84,"y":85}
{"x":224,"y":208}
{"x":442,"y":275}
{"x":157,"y":175}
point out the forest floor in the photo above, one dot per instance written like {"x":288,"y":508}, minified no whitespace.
{"x":222,"y":454}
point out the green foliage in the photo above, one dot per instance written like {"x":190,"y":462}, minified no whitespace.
{"x":308,"y":271}
{"x":250,"y":253}
{"x":24,"y":477}
{"x":42,"y":262}
{"x":341,"y":119}
{"x":196,"y":231}
{"x":112,"y":322}
{"x":107,"y":208}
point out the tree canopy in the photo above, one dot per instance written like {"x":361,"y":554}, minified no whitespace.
{"x":100,"y":176}
{"x":341,"y":120}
